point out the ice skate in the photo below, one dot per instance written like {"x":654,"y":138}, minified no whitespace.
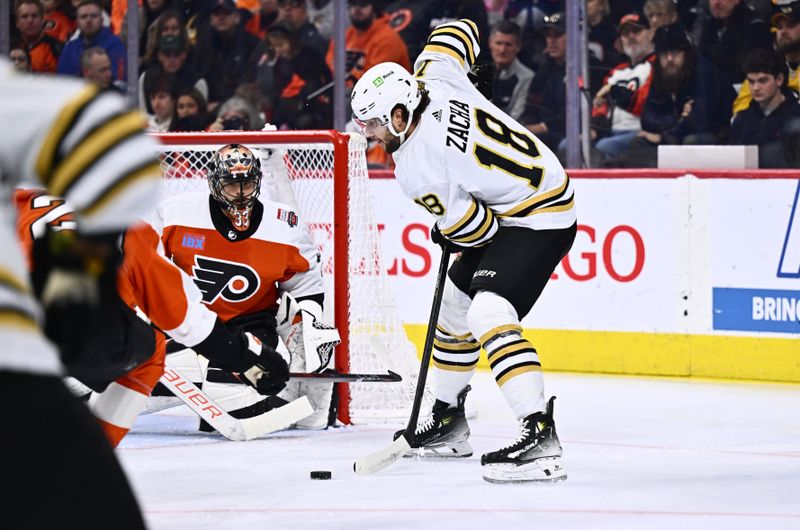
{"x":444,"y":434}
{"x":535,"y":456}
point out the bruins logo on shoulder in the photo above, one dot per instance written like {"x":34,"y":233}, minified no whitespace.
{"x":288,"y":216}
{"x":234,"y":282}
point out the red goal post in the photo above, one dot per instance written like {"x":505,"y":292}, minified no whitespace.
{"x":324,"y":173}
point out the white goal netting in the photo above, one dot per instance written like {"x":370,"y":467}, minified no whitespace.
{"x":301,"y":169}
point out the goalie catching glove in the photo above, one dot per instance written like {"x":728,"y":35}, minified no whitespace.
{"x":300,"y":328}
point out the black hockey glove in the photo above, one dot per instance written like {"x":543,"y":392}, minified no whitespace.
{"x":98,"y":336}
{"x":233,"y":350}
{"x":269,"y":371}
{"x":439,"y":238}
{"x":482,"y":77}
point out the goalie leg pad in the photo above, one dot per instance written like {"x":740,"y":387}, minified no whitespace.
{"x":320,"y":396}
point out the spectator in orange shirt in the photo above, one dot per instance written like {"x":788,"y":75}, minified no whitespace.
{"x":263,"y":18}
{"x":369,"y":41}
{"x":42,"y":49}
{"x":56,"y":23}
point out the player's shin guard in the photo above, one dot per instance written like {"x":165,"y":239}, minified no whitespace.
{"x":513,"y":360}
{"x":455,"y":350}
{"x":117,"y":407}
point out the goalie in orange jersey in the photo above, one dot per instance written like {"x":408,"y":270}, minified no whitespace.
{"x":124,"y":378}
{"x":245,"y":254}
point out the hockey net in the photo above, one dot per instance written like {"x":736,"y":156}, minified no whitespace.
{"x":324,"y":175}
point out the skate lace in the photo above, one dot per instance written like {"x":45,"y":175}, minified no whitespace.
{"x":522,"y":437}
{"x":428,"y":425}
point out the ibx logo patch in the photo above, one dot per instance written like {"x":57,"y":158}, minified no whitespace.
{"x":288,"y":216}
{"x":233,"y":282}
{"x":193,"y":241}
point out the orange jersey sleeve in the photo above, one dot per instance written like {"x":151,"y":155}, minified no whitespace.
{"x":151,"y":282}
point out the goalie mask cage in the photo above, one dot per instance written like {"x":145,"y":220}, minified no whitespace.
{"x":324,"y":175}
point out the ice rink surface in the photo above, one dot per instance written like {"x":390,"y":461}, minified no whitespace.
{"x":640,"y":454}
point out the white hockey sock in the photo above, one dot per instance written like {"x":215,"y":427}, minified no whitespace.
{"x":513,"y":360}
{"x":454,"y":362}
{"x":455,"y":350}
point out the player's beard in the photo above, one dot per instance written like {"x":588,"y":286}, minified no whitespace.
{"x":636,"y":52}
{"x":391,"y":144}
{"x":788,"y":46}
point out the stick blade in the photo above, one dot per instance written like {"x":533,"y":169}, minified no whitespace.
{"x":277,"y":419}
{"x":378,"y":460}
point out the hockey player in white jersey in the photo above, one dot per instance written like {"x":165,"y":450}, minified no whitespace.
{"x":500,"y":197}
{"x":84,"y":145}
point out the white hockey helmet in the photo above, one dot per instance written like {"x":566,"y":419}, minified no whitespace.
{"x":379,"y":90}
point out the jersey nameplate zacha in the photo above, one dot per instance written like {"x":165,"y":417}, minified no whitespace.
{"x":517,"y":180}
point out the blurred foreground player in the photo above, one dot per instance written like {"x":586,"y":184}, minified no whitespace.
{"x":81,"y":144}
{"x":500,"y":197}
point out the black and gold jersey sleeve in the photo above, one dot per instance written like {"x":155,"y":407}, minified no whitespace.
{"x":458,"y":40}
{"x":80,"y":143}
{"x":475,"y":228}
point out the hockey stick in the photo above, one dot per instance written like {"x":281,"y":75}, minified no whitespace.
{"x":230,"y":427}
{"x":329,"y":376}
{"x":390,"y":454}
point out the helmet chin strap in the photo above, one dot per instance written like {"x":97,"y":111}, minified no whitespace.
{"x":401,"y":134}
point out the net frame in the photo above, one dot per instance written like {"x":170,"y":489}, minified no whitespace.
{"x":348,"y":161}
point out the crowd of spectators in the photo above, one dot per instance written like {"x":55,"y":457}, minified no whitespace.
{"x":693,"y":72}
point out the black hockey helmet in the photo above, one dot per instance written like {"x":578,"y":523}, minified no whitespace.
{"x":234,"y":177}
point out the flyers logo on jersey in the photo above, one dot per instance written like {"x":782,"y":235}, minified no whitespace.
{"x":289,"y":216}
{"x":234,"y":282}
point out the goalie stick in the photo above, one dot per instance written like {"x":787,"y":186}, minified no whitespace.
{"x":230,"y":427}
{"x":390,"y":454}
{"x":330,"y":376}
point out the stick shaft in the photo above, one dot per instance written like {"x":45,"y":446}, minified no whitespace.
{"x":336,"y":377}
{"x":427,"y":351}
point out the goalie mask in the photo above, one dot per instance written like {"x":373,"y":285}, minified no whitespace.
{"x":378,"y":92}
{"x":234,"y":178}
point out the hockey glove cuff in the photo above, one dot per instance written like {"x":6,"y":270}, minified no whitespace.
{"x":441,"y":240}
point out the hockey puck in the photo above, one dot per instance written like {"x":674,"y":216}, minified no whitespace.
{"x":321,"y":475}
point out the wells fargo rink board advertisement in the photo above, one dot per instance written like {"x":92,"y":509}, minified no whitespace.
{"x":670,"y":274}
